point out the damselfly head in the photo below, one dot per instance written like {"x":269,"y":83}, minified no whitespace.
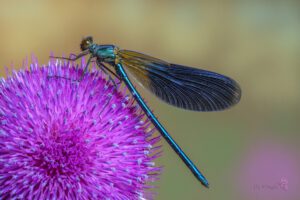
{"x":86,"y":43}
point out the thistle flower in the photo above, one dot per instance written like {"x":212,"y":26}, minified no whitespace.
{"x":64,"y":139}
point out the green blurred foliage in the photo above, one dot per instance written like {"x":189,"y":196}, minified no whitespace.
{"x":255,"y":42}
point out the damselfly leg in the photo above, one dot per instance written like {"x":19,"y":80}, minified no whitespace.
{"x":105,"y":69}
{"x":83,"y":53}
{"x":74,"y":59}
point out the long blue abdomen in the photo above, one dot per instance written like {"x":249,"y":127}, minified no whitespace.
{"x":121,"y":72}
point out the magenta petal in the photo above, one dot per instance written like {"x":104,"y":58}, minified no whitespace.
{"x":64,"y":139}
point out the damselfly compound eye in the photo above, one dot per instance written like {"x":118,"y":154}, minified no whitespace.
{"x":86,"y":43}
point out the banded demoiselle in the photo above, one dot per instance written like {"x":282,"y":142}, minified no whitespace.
{"x":181,"y":86}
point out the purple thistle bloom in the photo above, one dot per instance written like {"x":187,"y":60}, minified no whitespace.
{"x":64,"y":139}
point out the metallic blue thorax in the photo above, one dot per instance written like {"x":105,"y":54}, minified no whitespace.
{"x":105,"y":53}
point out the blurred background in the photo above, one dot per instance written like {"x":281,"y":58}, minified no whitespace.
{"x":255,"y":42}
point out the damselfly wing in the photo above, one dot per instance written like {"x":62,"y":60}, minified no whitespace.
{"x":184,"y":87}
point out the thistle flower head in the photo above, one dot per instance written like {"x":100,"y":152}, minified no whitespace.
{"x":65,"y":139}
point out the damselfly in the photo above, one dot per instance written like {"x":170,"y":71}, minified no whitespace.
{"x":184,"y":87}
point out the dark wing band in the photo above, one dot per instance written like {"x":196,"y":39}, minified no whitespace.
{"x":181,"y":86}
